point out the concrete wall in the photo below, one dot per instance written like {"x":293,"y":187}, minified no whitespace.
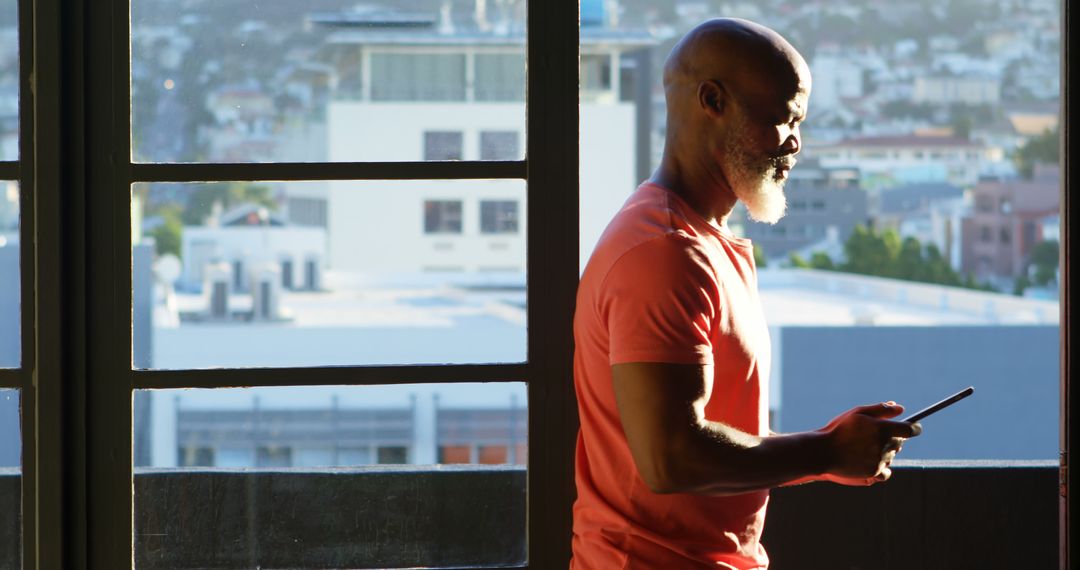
{"x":1014,"y":369}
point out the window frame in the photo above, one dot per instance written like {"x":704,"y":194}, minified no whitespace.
{"x":79,"y":60}
{"x":77,"y":449}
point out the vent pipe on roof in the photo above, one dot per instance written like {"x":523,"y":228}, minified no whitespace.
{"x":481,"y":15}
{"x":446,"y":20}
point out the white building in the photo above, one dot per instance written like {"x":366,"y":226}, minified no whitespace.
{"x":890,"y":160}
{"x":835,"y":78}
{"x":249,"y":238}
{"x":445,"y":89}
{"x":969,"y":89}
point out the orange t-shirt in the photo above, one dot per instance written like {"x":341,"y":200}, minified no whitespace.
{"x":663,"y":285}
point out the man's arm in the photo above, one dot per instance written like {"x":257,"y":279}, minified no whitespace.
{"x":677,"y":450}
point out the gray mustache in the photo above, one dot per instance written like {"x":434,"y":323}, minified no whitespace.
{"x":784,"y":162}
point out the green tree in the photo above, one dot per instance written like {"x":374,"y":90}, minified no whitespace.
{"x":796,"y":260}
{"x":885,"y":255}
{"x":1041,"y":149}
{"x":910,"y":264}
{"x":759,"y":257}
{"x":870,"y":253}
{"x":201,"y":203}
{"x":1044,"y":258}
{"x":1021,"y":283}
{"x":821,"y":260}
{"x":168,"y":236}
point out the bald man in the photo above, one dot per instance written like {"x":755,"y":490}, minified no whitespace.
{"x":675,"y":457}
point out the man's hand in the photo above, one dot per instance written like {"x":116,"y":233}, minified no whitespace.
{"x":864,"y":441}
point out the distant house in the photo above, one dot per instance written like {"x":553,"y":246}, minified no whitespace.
{"x":968,"y":89}
{"x":1007,"y":220}
{"x":885,"y":161}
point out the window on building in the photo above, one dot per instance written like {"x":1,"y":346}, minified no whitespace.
{"x":443,"y":145}
{"x":1030,"y":232}
{"x":196,"y":456}
{"x":392,"y":455}
{"x":500,"y":77}
{"x":986,"y":234}
{"x":492,"y":455}
{"x":273,"y":456}
{"x":499,"y":145}
{"x":595,"y":72}
{"x":455,"y":454}
{"x":442,"y":216}
{"x":418,"y":77}
{"x":1005,"y":235}
{"x":498,"y":216}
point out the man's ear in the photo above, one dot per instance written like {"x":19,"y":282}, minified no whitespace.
{"x":712,"y":97}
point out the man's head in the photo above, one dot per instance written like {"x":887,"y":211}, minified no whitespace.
{"x":736,"y":93}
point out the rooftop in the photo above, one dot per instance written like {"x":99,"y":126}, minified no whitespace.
{"x":402,"y":324}
{"x":906,"y":141}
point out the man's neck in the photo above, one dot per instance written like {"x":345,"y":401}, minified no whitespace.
{"x":711,"y":198}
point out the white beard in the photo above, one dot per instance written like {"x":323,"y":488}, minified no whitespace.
{"x":764,"y":195}
{"x":755,"y":181}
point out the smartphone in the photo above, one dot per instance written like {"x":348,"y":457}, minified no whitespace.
{"x":940,"y":405}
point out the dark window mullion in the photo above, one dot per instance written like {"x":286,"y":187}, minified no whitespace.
{"x":107,"y":120}
{"x":329,"y":376}
{"x":329,"y":171}
{"x":9,"y":171}
{"x":28,"y":295}
{"x":11,"y":378}
{"x":552,"y":150}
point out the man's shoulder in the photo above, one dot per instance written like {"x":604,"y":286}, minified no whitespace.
{"x":648,"y":216}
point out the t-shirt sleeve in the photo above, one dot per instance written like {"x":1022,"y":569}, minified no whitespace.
{"x":660,"y":302}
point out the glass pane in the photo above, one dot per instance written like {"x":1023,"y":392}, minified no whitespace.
{"x":919,"y":252}
{"x":331,"y":476}
{"x":9,"y":81}
{"x":328,"y":273}
{"x":10,"y":285}
{"x":10,"y":481}
{"x":329,"y":81}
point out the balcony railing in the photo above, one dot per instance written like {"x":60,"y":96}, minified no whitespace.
{"x":983,"y":515}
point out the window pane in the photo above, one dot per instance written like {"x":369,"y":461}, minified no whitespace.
{"x":499,"y":145}
{"x":10,"y":481}
{"x":919,"y":252}
{"x":324,"y":81}
{"x":10,"y":285}
{"x":398,"y":272}
{"x":498,"y":216}
{"x":305,"y":477}
{"x":500,"y":77}
{"x":417,"y":77}
{"x":443,"y":145}
{"x":9,"y":80}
